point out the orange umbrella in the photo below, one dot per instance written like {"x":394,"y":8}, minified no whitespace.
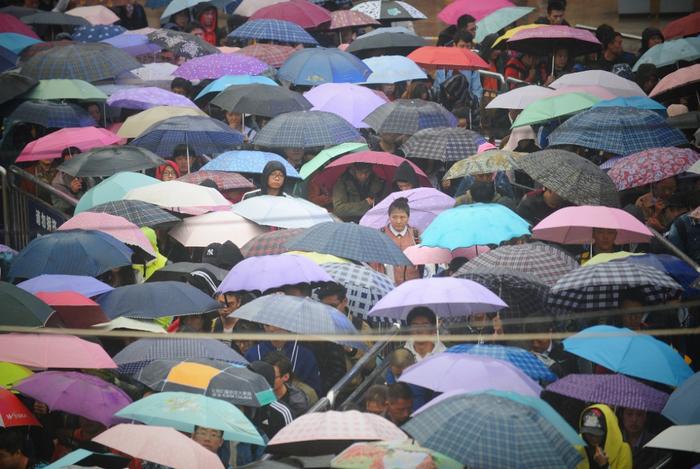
{"x":453,"y":58}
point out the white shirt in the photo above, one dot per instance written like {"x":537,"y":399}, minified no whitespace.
{"x":438,"y":348}
{"x":398,"y":234}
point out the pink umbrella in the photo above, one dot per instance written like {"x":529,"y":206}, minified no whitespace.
{"x":71,"y":309}
{"x":351,"y":102}
{"x":421,"y":255}
{"x":50,"y":146}
{"x":10,"y":24}
{"x":162,"y":445}
{"x":272,"y":54}
{"x":685,"y":76}
{"x":217,"y":65}
{"x":350,"y":19}
{"x":546,"y":39}
{"x":53,"y":351}
{"x":574,"y":225}
{"x":119,"y":227}
{"x":478,"y":9}
{"x":95,"y":14}
{"x":305,"y":14}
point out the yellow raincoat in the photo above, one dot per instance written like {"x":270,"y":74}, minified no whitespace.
{"x":152,"y":266}
{"x":619,"y":453}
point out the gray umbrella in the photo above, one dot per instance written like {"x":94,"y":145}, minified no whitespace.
{"x":573,"y":177}
{"x":397,"y":41}
{"x":306,"y":129}
{"x":408,"y":116}
{"x":261,"y":100}
{"x":442,"y":144}
{"x":13,"y":84}
{"x":106,"y":161}
{"x":55,"y":18}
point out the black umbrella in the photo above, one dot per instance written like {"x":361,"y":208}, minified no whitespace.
{"x":261,"y":100}
{"x":55,"y":18}
{"x":394,"y":41}
{"x":181,"y":271}
{"x":106,"y":161}
{"x":51,"y":115}
{"x":18,"y":12}
{"x":689,"y":120}
{"x":21,"y":308}
{"x":13,"y":84}
{"x":408,"y":116}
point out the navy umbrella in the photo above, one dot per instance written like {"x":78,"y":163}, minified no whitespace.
{"x":51,"y":115}
{"x":273,"y":30}
{"x":8,"y":59}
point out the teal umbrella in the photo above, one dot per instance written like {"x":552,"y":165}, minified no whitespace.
{"x":671,"y":52}
{"x":325,"y":156}
{"x":498,"y":20}
{"x":183,"y":411}
{"x":16,"y":42}
{"x":59,"y":89}
{"x":113,"y":188}
{"x":224,"y":82}
{"x":638,"y":102}
{"x":553,"y":107}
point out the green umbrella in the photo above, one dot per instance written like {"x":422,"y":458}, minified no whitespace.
{"x":324,"y":157}
{"x":671,"y":52}
{"x":553,"y":107}
{"x":65,"y":89}
{"x":113,"y":188}
{"x":21,"y":308}
{"x":183,"y":411}
{"x":498,"y":20}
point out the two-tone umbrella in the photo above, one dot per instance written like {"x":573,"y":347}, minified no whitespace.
{"x":442,"y":143}
{"x":408,"y":116}
{"x":110,"y":160}
{"x":261,"y":100}
{"x":306,"y":129}
{"x":282,"y":212}
{"x":315,"y":66}
{"x":273,"y":30}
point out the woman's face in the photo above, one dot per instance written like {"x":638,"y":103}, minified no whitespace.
{"x":181,"y":19}
{"x":168,"y":174}
{"x":654,"y":40}
{"x":234,"y":120}
{"x":398,"y":219}
{"x":604,"y":239}
{"x":275,"y":180}
{"x":561,"y":57}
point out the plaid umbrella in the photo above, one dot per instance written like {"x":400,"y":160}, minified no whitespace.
{"x":389,"y":10}
{"x":613,"y":390}
{"x":96,"y":33}
{"x":182,"y":44}
{"x":106,"y":161}
{"x":408,"y":116}
{"x":442,"y":144}
{"x":520,"y":358}
{"x":224,"y":181}
{"x":55,"y":18}
{"x":261,"y":100}
{"x":394,"y":40}
{"x":51,"y":115}
{"x":617,"y":130}
{"x":650,"y":166}
{"x":218,"y":65}
{"x":573,"y":177}
{"x":273,"y":30}
{"x":350,"y":241}
{"x":272,"y":54}
{"x":365,"y":286}
{"x":137,"y":212}
{"x":487,"y":162}
{"x":270,"y":243}
{"x":13,"y":84}
{"x":202,"y":134}
{"x":89,"y":62}
{"x":306,"y":129}
{"x":349,"y":19}
{"x":547,"y":263}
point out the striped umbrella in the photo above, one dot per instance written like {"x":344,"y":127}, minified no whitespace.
{"x":137,"y":212}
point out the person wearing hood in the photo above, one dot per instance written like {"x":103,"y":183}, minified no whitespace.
{"x":272,"y":181}
{"x":405,"y":177}
{"x":144,"y":270}
{"x":356,"y":191}
{"x":650,"y":37}
{"x":178,"y":21}
{"x":605,"y":447}
{"x":168,"y":171}
{"x":208,"y":17}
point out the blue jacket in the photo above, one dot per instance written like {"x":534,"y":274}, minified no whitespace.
{"x":421,"y":395}
{"x":685,"y":234}
{"x":473,"y":77}
{"x":304,"y":363}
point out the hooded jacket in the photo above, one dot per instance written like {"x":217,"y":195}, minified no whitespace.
{"x":619,"y":453}
{"x":406,"y":173}
{"x":150,"y":267}
{"x":211,"y":33}
{"x":269,"y":168}
{"x":349,"y":198}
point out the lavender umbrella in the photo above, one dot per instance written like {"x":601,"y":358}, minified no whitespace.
{"x":426,"y":203}
{"x":133,"y":44}
{"x":217,"y":65}
{"x":146,"y":98}
{"x":86,"y":286}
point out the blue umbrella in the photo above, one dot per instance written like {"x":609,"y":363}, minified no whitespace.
{"x":683,"y":407}
{"x":86,"y":286}
{"x":678,"y":269}
{"x":637,"y":102}
{"x":247,"y":161}
{"x":306,"y":129}
{"x":51,"y":115}
{"x":273,"y":30}
{"x":8,"y":59}
{"x":624,"y":351}
{"x":156,"y":300}
{"x":521,"y":358}
{"x":96,"y":33}
{"x":480,"y":224}
{"x":224,"y":82}
{"x":392,"y":69}
{"x":204,"y":135}
{"x":320,"y":65}
{"x":16,"y":42}
{"x":71,"y":252}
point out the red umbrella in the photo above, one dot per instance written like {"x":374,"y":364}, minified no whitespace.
{"x":272,"y":54}
{"x":453,"y":58}
{"x":350,"y":19}
{"x":477,"y":8}
{"x":13,"y":413}
{"x":383,"y":164}
{"x":682,"y":27}
{"x":11,"y":24}
{"x":71,"y":309}
{"x":304,"y":13}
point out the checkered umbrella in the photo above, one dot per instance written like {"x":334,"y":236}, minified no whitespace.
{"x":217,"y":65}
{"x":261,"y":100}
{"x":547,"y":263}
{"x":96,"y":33}
{"x":272,"y":54}
{"x":573,"y":177}
{"x":389,"y":10}
{"x":137,"y":212}
{"x":273,"y":30}
{"x":306,"y":129}
{"x":51,"y":115}
{"x":270,"y":243}
{"x":442,"y":144}
{"x":350,"y":19}
{"x":598,"y":287}
{"x":225,"y":181}
{"x":408,"y":116}
{"x":520,"y":358}
{"x":182,"y":44}
{"x":365,"y":286}
{"x":487,"y":162}
{"x":650,"y":166}
{"x":617,"y":130}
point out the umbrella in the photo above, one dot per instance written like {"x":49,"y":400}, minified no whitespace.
{"x":682,"y":407}
{"x":137,"y":212}
{"x":53,"y":351}
{"x":76,"y":393}
{"x":247,"y":161}
{"x":446,"y":296}
{"x":89,"y":62}
{"x":442,"y":144}
{"x":329,"y":154}
{"x":72,"y":309}
{"x":273,"y":30}
{"x":315,"y":66}
{"x":670,"y":53}
{"x":331,"y":432}
{"x":54,"y":18}
{"x":261,"y":100}
{"x":392,"y":69}
{"x":16,"y":43}
{"x":248,"y":7}
{"x":553,"y":107}
{"x":184,"y":411}
{"x":422,"y":255}
{"x":451,"y":13}
{"x":52,"y":145}
{"x":160,"y":445}
{"x":158,"y":71}
{"x":86,"y":286}
{"x":574,"y":225}
{"x":181,"y":197}
{"x":477,"y":430}
{"x":146,"y":98}
{"x":215,"y":227}
{"x":202,"y":134}
{"x":408,"y":116}
{"x":392,"y":10}
{"x":113,"y":189}
{"x":107,"y":161}
{"x":21,"y":308}
{"x":546,"y":263}
{"x":351,"y":102}
{"x":319,"y":258}
{"x":225,"y":181}
{"x":282,"y":212}
{"x":180,"y":5}
{"x":483,"y":224}
{"x":272,"y":54}
{"x":425,"y":203}
{"x":8,"y":59}
{"x":156,"y":300}
{"x":597,"y":91}
{"x":182,"y":272}
{"x":679,"y":82}
{"x":498,"y":20}
{"x":13,"y":84}
{"x":12,"y":24}
{"x":51,"y":115}
{"x":305,"y":14}
{"x":73,"y":252}
{"x":677,"y":438}
{"x":226,"y":81}
{"x":365,"y":286}
{"x":518,"y":357}
{"x":406,"y":454}
{"x":350,"y":19}
{"x":547,"y":39}
{"x":650,"y":166}
{"x":487,"y":162}
{"x":614,"y":390}
{"x":638,"y":102}
{"x":271,"y":242}
{"x":688,"y":25}
{"x":10,"y":374}
{"x":616,"y":84}
{"x":451,"y":58}
{"x":135,"y":125}
{"x":13,"y":413}
{"x":519,"y":98}
{"x":97,"y":33}
{"x":624,"y":351}
{"x":218,"y":65}
{"x":306,"y":129}
{"x":95,"y":14}
{"x":16,"y":11}
{"x":121,"y":228}
{"x":182,"y":44}
{"x":395,"y":41}
{"x":572,"y":177}
{"x":89,"y":459}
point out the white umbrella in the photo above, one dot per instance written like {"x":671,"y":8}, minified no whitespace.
{"x":248,"y":7}
{"x":136,"y":124}
{"x":215,"y":227}
{"x":177,"y":195}
{"x":618,"y":85}
{"x":159,"y":71}
{"x":678,"y":438}
{"x":520,"y":98}
{"x":282,"y":212}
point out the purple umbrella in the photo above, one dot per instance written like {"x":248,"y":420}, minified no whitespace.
{"x":146,"y":98}
{"x":76,"y":393}
{"x":217,"y":65}
{"x":86,"y":286}
{"x":426,"y":203}
{"x":266,"y":272}
{"x":133,"y":44}
{"x":614,"y":390}
{"x":351,"y":102}
{"x":444,"y":372}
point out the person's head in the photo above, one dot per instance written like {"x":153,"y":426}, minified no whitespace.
{"x":334,"y":295}
{"x":633,"y":421}
{"x":418,"y":90}
{"x":195,"y":28}
{"x":632,"y":299}
{"x":295,"y":156}
{"x":463,"y":39}
{"x":11,"y":455}
{"x":606,"y":35}
{"x":223,"y":255}
{"x":69,"y":152}
{"x":421,"y":320}
{"x":375,"y":399}
{"x":183,"y":156}
{"x":555,"y":11}
{"x":604,"y":239}
{"x":399,"y":213}
{"x":593,"y":427}
{"x":95,"y":112}
{"x":234,"y":119}
{"x":528,"y":60}
{"x":468,"y":23}
{"x":405,"y":177}
{"x":647,"y":76}
{"x":399,"y":360}
{"x":616,"y":46}
{"x":665,"y":188}
{"x":561,"y":58}
{"x":360,"y":172}
{"x":210,"y":438}
{"x":181,"y":18}
{"x":462,"y":115}
{"x":168,"y":171}
{"x":399,"y":403}
{"x":192,"y":323}
{"x":283,"y":369}
{"x":208,"y":18}
{"x":651,"y":37}
{"x":552,"y":199}
{"x":229,"y":302}
{"x":273,"y":177}
{"x":542,"y":336}
{"x":264,"y":369}
{"x":181,"y":86}
{"x":483,"y":191}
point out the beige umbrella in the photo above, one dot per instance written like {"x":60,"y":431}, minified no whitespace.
{"x":96,"y":14}
{"x":180,"y":196}
{"x":215,"y":227}
{"x":136,"y":124}
{"x":678,"y":438}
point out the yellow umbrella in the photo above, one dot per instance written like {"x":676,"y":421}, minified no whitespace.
{"x":483,"y":163}
{"x":136,"y":124}
{"x":319,"y":258}
{"x":511,"y":32}
{"x":11,"y":374}
{"x":611,"y":256}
